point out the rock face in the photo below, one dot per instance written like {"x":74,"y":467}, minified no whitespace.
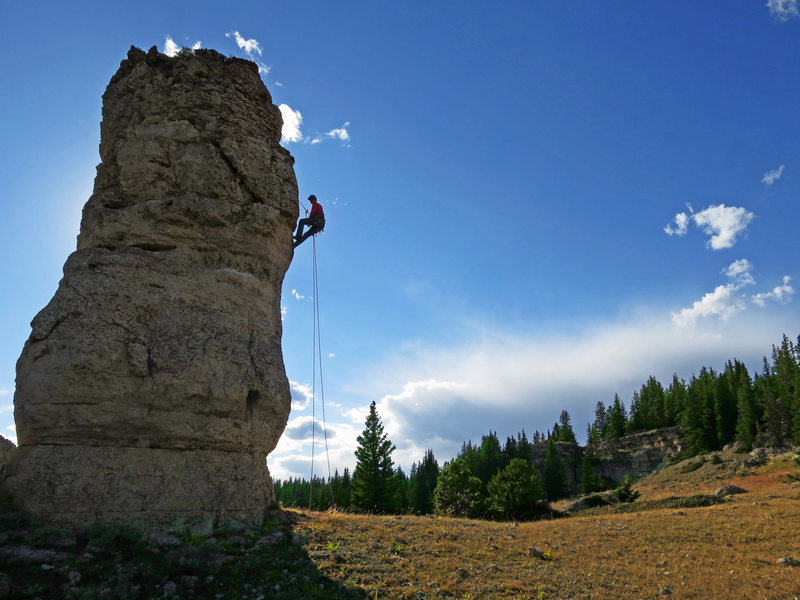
{"x":153,"y":384}
{"x":6,"y":450}
{"x":638,"y":454}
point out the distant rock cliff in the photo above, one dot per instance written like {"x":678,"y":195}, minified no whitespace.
{"x":636,"y":455}
{"x":153,"y":384}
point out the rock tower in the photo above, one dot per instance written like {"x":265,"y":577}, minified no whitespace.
{"x":153,"y":384}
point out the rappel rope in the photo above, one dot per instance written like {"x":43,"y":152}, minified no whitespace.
{"x":317,"y":356}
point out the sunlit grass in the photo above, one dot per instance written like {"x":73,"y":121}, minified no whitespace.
{"x":729,"y":550}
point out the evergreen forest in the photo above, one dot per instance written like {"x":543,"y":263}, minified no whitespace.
{"x":516,"y":478}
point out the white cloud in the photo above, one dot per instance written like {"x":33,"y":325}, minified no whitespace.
{"x":251,"y":46}
{"x":6,"y":408}
{"x":284,"y":308}
{"x":301,"y":395}
{"x":292,"y":455}
{"x":339,"y":133}
{"x":173,"y":49}
{"x":681,"y":225}
{"x":724,"y":302}
{"x":292,"y":119}
{"x":723,"y":223}
{"x":506,"y":381}
{"x":513,"y":381}
{"x":170,"y":47}
{"x":771,"y":177}
{"x":782,"y":293}
{"x":783,"y":9}
{"x":297,"y":295}
{"x":739,"y":271}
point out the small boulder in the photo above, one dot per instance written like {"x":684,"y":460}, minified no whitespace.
{"x":729,"y":490}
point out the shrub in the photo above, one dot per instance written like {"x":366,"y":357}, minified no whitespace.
{"x":624,"y":492}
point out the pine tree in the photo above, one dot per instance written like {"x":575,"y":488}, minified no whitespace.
{"x":635,"y":416}
{"x":565,"y":431}
{"x":616,"y":419}
{"x":600,"y":420}
{"x":423,"y":483}
{"x":590,"y":481}
{"x":458,"y":492}
{"x":748,"y":415}
{"x":675,"y":401}
{"x":515,"y":490}
{"x":374,"y":476}
{"x":554,"y":478}
{"x":787,"y":385}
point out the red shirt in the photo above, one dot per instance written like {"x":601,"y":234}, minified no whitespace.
{"x":316,"y":210}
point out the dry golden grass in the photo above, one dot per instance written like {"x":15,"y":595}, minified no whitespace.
{"x":723,"y":551}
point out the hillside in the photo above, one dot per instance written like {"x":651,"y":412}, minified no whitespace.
{"x":731,"y":549}
{"x":669,"y":543}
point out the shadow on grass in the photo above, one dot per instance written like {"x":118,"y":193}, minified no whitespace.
{"x":140,"y":561}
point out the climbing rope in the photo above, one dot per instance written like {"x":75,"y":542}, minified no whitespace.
{"x":317,"y":356}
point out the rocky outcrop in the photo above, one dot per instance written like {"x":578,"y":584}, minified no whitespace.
{"x":635,"y":455}
{"x":153,"y":384}
{"x":6,"y":450}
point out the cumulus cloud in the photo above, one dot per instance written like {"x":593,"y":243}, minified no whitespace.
{"x":727,"y":300}
{"x":170,"y":47}
{"x":292,"y":455}
{"x":251,"y":46}
{"x":724,"y":224}
{"x":512,"y":381}
{"x":439,"y":397}
{"x":782,"y":294}
{"x":173,"y":49}
{"x":771,"y":177}
{"x":305,"y":428}
{"x":339,"y":133}
{"x":724,"y":302}
{"x":681,"y":225}
{"x":297,"y":295}
{"x":739,"y":271}
{"x":292,"y":119}
{"x":301,"y":395}
{"x":783,"y":10}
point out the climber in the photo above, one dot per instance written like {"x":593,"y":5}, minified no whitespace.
{"x":315,"y":222}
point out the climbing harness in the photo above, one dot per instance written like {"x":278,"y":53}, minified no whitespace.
{"x":317,"y":357}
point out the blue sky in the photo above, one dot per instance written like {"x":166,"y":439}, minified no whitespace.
{"x":530,"y":205}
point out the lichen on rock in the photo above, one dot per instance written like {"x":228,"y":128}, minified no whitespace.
{"x":153,"y":382}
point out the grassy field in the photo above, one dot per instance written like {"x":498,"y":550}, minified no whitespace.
{"x":678,"y":540}
{"x":729,"y":550}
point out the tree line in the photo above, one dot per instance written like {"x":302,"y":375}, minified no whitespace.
{"x":516,"y":479}
{"x":714,"y":409}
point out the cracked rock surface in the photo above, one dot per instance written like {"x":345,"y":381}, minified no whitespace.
{"x":153,"y":382}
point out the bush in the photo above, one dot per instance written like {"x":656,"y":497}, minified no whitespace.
{"x":692,"y":466}
{"x":515,"y":490}
{"x":624,"y":492}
